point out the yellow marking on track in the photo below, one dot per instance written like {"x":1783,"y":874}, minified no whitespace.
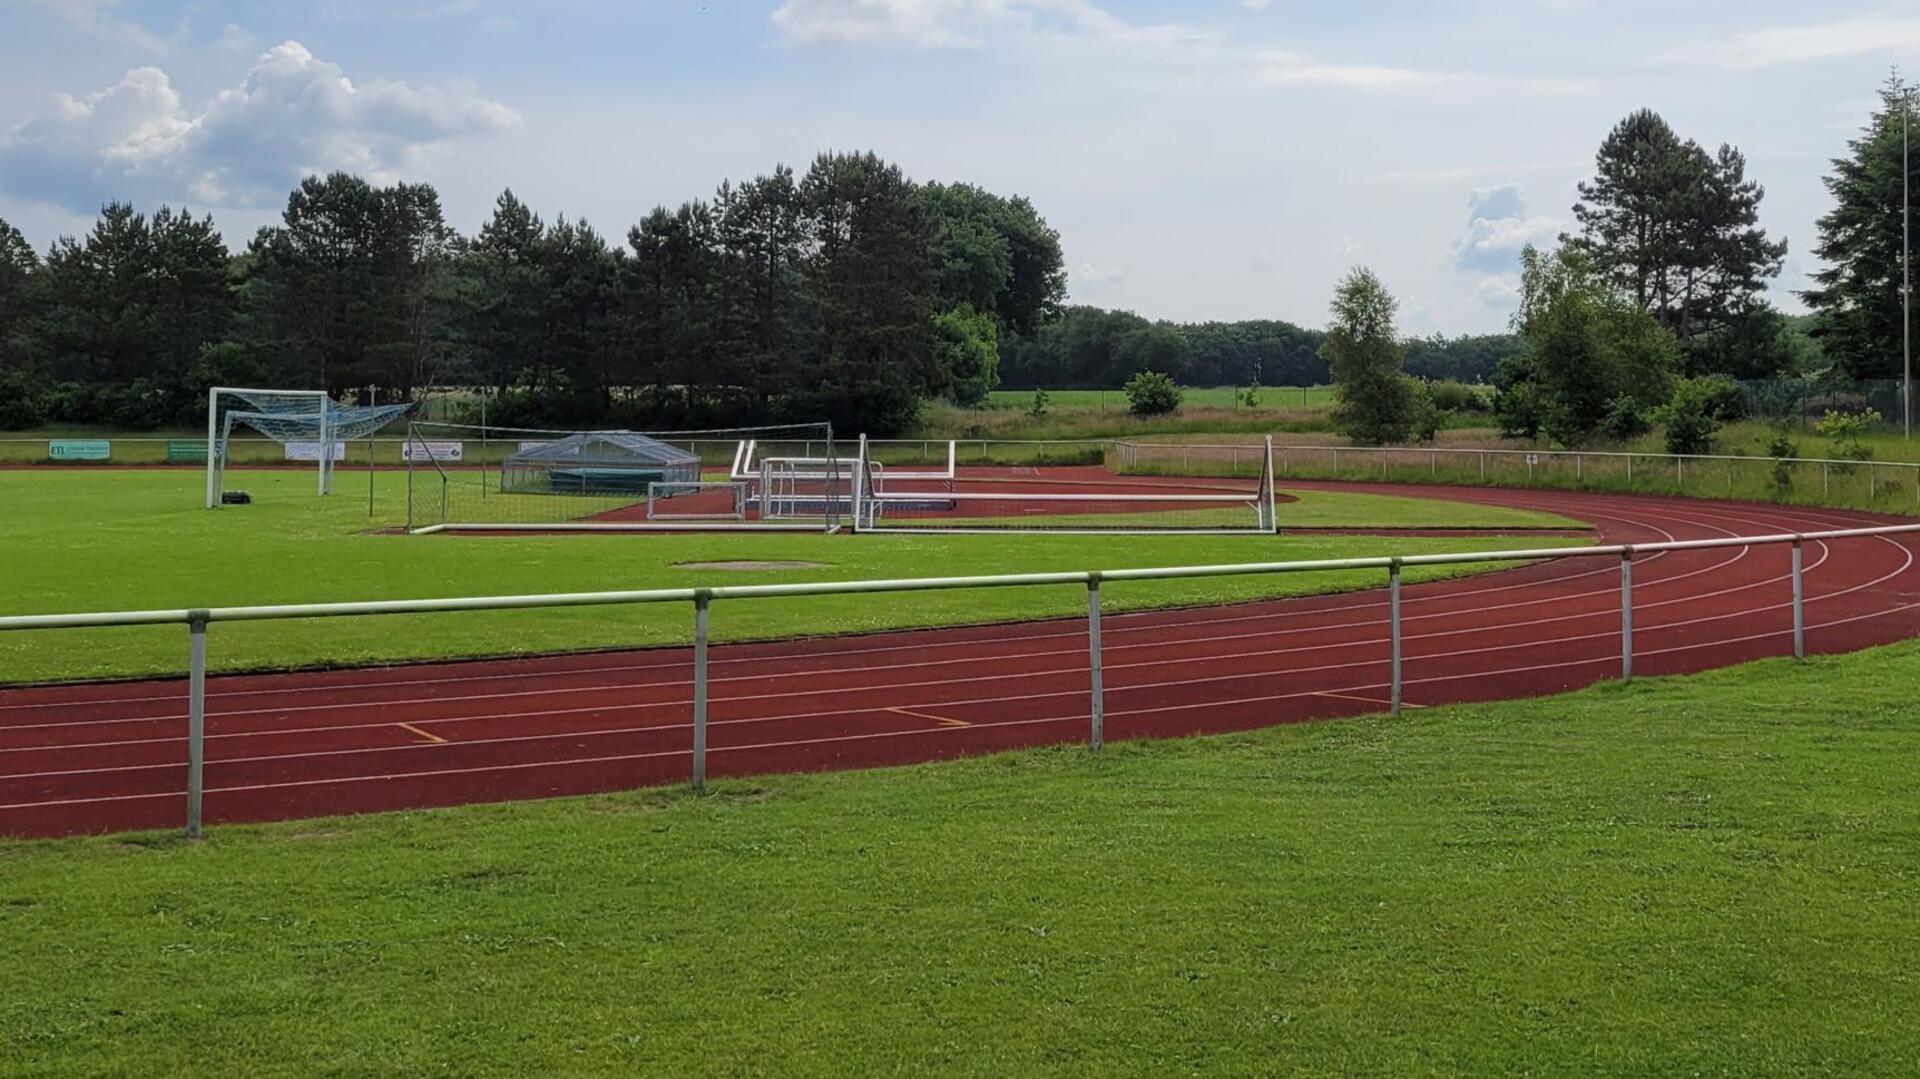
{"x":433,"y":738}
{"x":942,"y":720}
{"x":1370,"y":700}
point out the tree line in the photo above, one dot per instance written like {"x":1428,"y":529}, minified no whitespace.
{"x":1096,"y":348}
{"x":847,"y":293}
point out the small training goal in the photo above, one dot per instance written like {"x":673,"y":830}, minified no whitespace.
{"x":308,"y":424}
{"x":896,"y":493}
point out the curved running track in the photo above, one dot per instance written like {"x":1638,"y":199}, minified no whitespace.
{"x":105,"y":757}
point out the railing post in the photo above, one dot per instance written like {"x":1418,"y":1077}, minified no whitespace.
{"x":1823,"y":480}
{"x":196,"y":720}
{"x":701,"y":601}
{"x":1393,"y":629}
{"x":1629,"y":470}
{"x":1483,"y":466}
{"x":1799,"y":606}
{"x":1096,"y":732}
{"x":1626,"y":615}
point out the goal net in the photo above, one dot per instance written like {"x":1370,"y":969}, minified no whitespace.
{"x":479,"y":478}
{"x":310,"y":424}
{"x":923,"y":496}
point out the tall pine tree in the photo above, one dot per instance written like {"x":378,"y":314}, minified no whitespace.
{"x":1856,"y":298}
{"x":1675,"y":227}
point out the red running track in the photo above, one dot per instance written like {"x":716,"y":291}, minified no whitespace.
{"x":103,"y":757}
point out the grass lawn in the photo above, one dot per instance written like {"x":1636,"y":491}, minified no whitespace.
{"x":1709,"y":875}
{"x":1195,"y":396}
{"x":132,"y":539}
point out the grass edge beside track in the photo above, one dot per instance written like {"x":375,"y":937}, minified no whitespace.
{"x":1708,"y":873}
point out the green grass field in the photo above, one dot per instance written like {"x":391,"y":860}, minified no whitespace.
{"x":1709,"y":875}
{"x":1307,"y":397}
{"x":134,"y":539}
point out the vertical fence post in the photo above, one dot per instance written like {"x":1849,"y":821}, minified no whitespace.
{"x":1626,"y":615}
{"x":196,"y":720}
{"x":701,"y":601}
{"x":1393,"y":629}
{"x":1629,"y":470}
{"x":1579,"y":470}
{"x":1483,"y":466}
{"x":1823,"y":479}
{"x":1096,"y":732}
{"x":1799,"y":607}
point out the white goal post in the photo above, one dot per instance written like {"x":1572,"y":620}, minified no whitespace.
{"x":287,"y":417}
{"x":220,"y":431}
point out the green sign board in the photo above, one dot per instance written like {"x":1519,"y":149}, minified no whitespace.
{"x":186,"y":449}
{"x":79,"y":449}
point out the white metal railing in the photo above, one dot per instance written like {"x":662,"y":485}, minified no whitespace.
{"x":198,"y":619}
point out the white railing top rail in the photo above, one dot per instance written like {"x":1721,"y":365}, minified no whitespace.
{"x":1471,"y":450}
{"x":188,"y":616}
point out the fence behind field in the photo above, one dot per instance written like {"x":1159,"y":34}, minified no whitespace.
{"x":197,"y":620}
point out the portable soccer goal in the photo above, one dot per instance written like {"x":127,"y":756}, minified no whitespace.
{"x":306,"y":423}
{"x":910,"y":497}
{"x":477,"y":478}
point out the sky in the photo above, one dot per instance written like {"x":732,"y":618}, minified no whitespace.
{"x":1206,"y":159}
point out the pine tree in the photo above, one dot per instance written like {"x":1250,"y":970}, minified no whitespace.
{"x":1856,"y":298}
{"x":1674,"y":227}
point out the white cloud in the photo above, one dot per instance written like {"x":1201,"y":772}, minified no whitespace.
{"x":1498,"y":226}
{"x":293,"y":115}
{"x":962,"y":23}
{"x":98,"y":17}
{"x":1857,"y":36}
{"x":1501,"y":292}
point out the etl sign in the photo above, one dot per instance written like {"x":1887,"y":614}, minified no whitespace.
{"x":71,"y":449}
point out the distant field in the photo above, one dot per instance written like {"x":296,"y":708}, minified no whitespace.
{"x":75,"y":540}
{"x":1269,"y":397}
{"x":1713,"y":875}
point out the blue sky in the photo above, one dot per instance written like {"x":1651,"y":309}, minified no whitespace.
{"x":1208,"y":159}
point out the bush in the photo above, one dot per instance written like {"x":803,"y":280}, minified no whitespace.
{"x":1783,"y":450}
{"x":1687,"y":417}
{"x":1151,"y":393}
{"x":1624,"y":420}
{"x":1521,"y":409}
{"x":1846,"y":429}
{"x":1250,"y":396}
{"x":1037,"y":408}
{"x":1453,"y":396}
{"x":1428,"y":416}
{"x":20,"y":404}
{"x":1725,"y":400}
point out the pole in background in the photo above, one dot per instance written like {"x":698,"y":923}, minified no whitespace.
{"x":1799,"y":611}
{"x":700,"y":604}
{"x":1906,"y":270}
{"x":1097,"y":734}
{"x":1626,"y":615}
{"x":196,"y":721}
{"x":1393,"y":629}
{"x":373,"y":401}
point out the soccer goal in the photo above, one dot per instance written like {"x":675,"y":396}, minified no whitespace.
{"x":515,"y":479}
{"x":892,"y":498}
{"x":308,"y":424}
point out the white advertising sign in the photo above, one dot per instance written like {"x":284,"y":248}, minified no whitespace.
{"x":310,"y":451}
{"x":412,"y":450}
